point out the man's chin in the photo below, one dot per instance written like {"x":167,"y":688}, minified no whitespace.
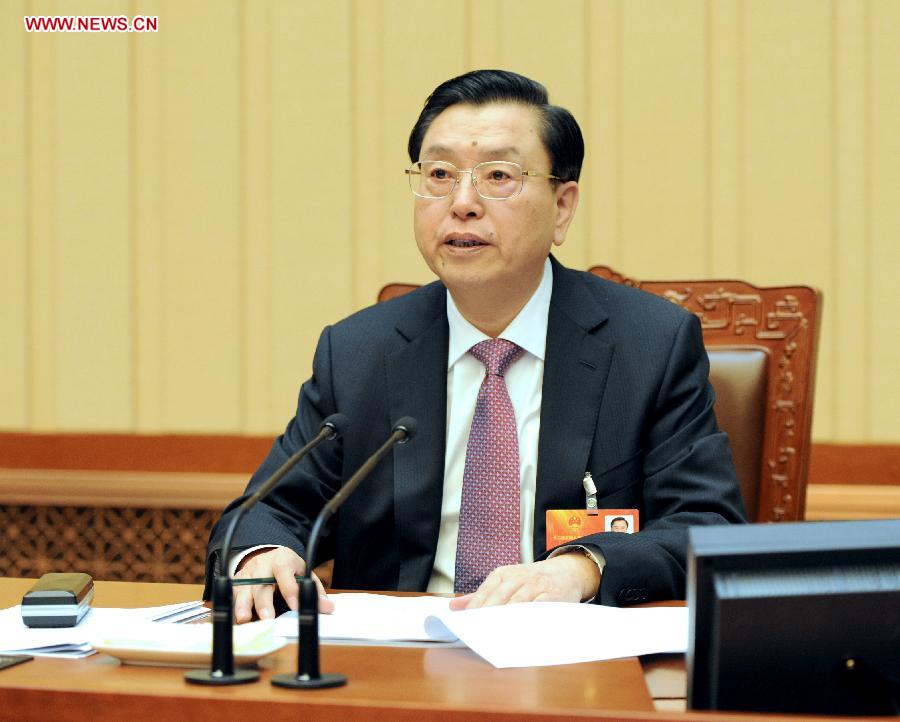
{"x":465,"y":279}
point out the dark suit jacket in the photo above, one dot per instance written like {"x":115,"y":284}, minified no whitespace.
{"x":625,"y":395}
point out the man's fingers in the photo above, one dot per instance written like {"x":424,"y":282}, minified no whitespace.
{"x":458,"y":603}
{"x":263,"y":595}
{"x":243,"y":604}
{"x":499,"y":586}
{"x":326,"y":606}
{"x":279,"y":562}
{"x":559,"y":579}
{"x":492,"y":587}
{"x":506,"y":593}
{"x":531,"y":590}
{"x":287,"y":585}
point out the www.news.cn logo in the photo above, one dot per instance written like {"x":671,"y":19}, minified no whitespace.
{"x":91,"y":24}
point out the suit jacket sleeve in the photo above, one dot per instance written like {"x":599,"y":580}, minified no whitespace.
{"x":286,"y":515}
{"x":688,"y":479}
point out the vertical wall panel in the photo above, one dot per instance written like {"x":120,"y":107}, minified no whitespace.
{"x":601,"y":189}
{"x":14,"y":398}
{"x":848,"y":302}
{"x":725,"y":119}
{"x":664,"y":138}
{"x":483,"y":40}
{"x":884,"y":157}
{"x":200,"y":208}
{"x":257,"y":157}
{"x":147,"y":189}
{"x":41,"y":107}
{"x":312,"y":247}
{"x":787,"y":75}
{"x":789,"y":161}
{"x":93,"y":227}
{"x":368,"y":160}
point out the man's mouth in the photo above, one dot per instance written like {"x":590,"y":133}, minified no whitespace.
{"x":464,"y":241}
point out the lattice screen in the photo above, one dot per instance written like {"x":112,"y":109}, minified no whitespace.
{"x":117,"y":544}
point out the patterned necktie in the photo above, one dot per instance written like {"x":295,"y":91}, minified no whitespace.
{"x":489,"y":513}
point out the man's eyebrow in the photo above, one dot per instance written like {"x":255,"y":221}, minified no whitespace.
{"x":494,"y":153}
{"x":435,"y":149}
{"x":503,"y":153}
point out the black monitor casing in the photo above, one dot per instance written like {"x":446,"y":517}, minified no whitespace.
{"x":800,"y":617}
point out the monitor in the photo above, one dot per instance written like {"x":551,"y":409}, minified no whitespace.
{"x":801,"y":617}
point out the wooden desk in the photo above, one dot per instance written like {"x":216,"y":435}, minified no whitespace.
{"x":386,"y":683}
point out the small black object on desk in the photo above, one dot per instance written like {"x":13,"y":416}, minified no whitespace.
{"x":58,"y":599}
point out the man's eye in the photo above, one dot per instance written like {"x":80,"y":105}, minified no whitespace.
{"x":498,"y":175}
{"x":440,"y":174}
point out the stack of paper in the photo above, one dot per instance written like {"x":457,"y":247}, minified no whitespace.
{"x":516,"y":635}
{"x":74,"y":642}
{"x":186,"y":646}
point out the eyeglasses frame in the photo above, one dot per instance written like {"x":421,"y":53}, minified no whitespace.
{"x":525,"y":174}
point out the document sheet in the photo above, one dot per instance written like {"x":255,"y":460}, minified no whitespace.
{"x":516,"y":635}
{"x":74,"y":642}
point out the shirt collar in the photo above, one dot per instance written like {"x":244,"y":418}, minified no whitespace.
{"x":528,"y":329}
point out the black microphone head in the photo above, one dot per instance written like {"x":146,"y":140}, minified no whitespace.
{"x":337,"y":423}
{"x":409,"y":426}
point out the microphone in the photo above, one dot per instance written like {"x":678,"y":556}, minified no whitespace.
{"x":308,"y":676}
{"x":222,"y":671}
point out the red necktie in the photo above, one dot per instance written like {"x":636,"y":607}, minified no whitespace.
{"x":489,"y":513}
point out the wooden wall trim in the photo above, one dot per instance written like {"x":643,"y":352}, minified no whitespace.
{"x":134,"y":452}
{"x":130,"y":489}
{"x":832,"y":502}
{"x":870,"y":464}
{"x":179,"y":490}
{"x":829,"y":463}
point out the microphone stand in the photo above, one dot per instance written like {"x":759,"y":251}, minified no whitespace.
{"x":308,"y":675}
{"x":222,"y":670}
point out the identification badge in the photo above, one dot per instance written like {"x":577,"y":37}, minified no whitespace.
{"x":566,"y":525}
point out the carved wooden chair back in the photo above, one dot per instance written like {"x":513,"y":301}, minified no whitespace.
{"x":762,"y":346}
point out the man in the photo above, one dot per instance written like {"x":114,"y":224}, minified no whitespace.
{"x":520,"y":372}
{"x":619,"y":524}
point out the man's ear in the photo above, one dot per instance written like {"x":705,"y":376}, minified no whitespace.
{"x":566,"y":202}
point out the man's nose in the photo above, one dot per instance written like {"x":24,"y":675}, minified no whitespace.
{"x":465,"y":200}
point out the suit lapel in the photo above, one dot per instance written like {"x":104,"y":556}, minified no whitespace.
{"x":417,"y":387}
{"x":576,"y":368}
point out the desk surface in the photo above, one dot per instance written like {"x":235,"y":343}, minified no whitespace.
{"x":385,"y":683}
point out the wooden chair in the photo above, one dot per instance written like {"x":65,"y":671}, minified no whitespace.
{"x":762,"y":350}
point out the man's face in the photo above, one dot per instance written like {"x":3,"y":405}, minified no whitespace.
{"x":469,"y":241}
{"x":619,"y":525}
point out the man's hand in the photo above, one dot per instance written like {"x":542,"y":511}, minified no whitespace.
{"x":283,"y":564}
{"x":570,"y":577}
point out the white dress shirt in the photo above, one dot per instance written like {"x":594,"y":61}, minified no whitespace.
{"x":524,"y":381}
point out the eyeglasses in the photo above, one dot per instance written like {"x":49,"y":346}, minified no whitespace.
{"x":496,"y":180}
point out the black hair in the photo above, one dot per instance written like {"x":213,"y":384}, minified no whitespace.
{"x":559,"y":129}
{"x":619,"y":518}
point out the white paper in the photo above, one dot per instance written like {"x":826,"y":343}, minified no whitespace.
{"x":15,"y":637}
{"x":536,"y":634}
{"x":178,"y":613}
{"x":151,"y":636}
{"x":516,"y":635}
{"x":374,"y":618}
